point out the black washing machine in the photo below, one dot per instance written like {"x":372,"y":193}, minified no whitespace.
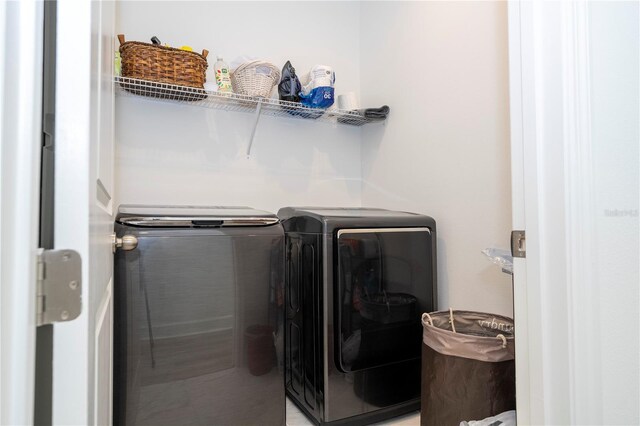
{"x":199,"y":317}
{"x":357,"y":282}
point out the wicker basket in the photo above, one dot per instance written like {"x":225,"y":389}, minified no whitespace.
{"x":161,"y":64}
{"x":255,"y":78}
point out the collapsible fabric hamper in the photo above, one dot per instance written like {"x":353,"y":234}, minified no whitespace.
{"x":468,"y":367}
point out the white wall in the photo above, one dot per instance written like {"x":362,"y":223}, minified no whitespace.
{"x":442,"y":67}
{"x":444,"y":152}
{"x":175,"y":154}
{"x":615,"y":111}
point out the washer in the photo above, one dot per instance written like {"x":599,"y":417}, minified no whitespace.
{"x":199,"y":316}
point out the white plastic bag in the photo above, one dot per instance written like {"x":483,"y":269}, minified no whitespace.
{"x":508,"y":418}
{"x":501,"y":258}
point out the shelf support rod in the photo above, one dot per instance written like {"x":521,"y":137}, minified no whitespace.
{"x":255,"y":126}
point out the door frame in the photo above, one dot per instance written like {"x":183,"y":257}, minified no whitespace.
{"x":520,"y":299}
{"x":21,"y":56}
{"x":557,"y":369}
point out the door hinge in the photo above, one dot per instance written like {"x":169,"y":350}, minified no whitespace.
{"x":518,"y":244}
{"x":59,"y":286}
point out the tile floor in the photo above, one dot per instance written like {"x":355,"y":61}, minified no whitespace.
{"x":296,"y":418}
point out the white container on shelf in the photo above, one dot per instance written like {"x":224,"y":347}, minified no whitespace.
{"x":348,"y":101}
{"x":223,"y":76}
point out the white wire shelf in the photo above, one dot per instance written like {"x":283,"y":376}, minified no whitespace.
{"x":235,"y":102}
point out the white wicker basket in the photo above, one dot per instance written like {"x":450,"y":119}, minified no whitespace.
{"x":255,"y":78}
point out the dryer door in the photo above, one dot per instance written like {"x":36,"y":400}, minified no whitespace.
{"x":384,"y":284}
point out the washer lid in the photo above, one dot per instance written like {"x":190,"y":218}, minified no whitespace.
{"x":192,"y":216}
{"x":356,"y":212}
{"x":329,"y":219}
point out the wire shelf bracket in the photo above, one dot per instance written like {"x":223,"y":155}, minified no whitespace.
{"x":255,"y":126}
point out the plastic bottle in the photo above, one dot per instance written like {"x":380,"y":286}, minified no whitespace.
{"x":223,"y":76}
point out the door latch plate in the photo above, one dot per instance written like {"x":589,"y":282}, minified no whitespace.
{"x":518,"y":244}
{"x":59,"y":286}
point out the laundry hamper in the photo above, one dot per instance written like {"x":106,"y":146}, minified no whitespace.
{"x":468,"y":367}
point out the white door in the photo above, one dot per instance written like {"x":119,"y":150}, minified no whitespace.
{"x":575,"y":120}
{"x":20,"y":140}
{"x":82,"y":362}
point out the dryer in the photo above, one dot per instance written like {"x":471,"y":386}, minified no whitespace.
{"x":357,"y":282}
